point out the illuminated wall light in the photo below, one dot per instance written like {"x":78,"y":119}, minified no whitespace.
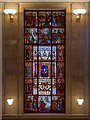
{"x":80,"y":101}
{"x":10,"y":12}
{"x":10,"y":101}
{"x":79,"y":12}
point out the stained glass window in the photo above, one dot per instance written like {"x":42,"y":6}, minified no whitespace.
{"x":44,"y":61}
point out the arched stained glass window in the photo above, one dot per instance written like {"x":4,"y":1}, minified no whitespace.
{"x":44,"y":61}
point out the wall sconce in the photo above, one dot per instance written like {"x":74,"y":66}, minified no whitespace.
{"x":10,"y":12}
{"x":10,"y":101}
{"x":80,"y":101}
{"x":79,"y":12}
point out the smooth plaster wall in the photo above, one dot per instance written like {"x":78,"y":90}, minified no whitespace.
{"x":76,"y":58}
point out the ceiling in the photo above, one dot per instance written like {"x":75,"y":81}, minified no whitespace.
{"x":45,"y":0}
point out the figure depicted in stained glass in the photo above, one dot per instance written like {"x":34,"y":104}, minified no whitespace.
{"x":58,"y":35}
{"x":44,"y":19}
{"x":27,"y":108}
{"x":27,"y":19}
{"x":28,"y":69}
{"x":44,"y":103}
{"x":62,"y":105}
{"x":58,"y":19}
{"x":44,"y":71}
{"x":60,"y":69}
{"x":31,"y":38}
{"x":60,"y":87}
{"x":28,"y":53}
{"x":44,"y":61}
{"x":56,"y":103}
{"x":45,"y":36}
{"x":47,"y":20}
{"x":54,"y":19}
{"x":35,"y":103}
{"x":41,"y":20}
{"x":59,"y":104}
{"x":60,"y":53}
{"x":44,"y":53}
{"x":31,"y":103}
{"x":31,"y":35}
{"x":28,"y":85}
{"x":27,"y":34}
{"x":30,"y":19}
{"x":53,"y":69}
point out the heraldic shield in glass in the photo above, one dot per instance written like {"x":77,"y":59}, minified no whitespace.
{"x":44,"y":61}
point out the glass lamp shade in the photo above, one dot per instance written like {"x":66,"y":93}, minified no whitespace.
{"x":10,"y":101}
{"x":79,"y":11}
{"x":80,"y":101}
{"x":10,"y":11}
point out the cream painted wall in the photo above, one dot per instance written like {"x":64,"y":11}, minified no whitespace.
{"x":76,"y":59}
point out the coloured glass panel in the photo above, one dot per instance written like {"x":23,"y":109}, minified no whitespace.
{"x":44,"y":70}
{"x":30,"y":103}
{"x":31,"y":19}
{"x":58,"y":19}
{"x":44,"y":61}
{"x":31,"y":35}
{"x":44,"y":86}
{"x":44,"y":35}
{"x":45,"y":19}
{"x":44,"y":103}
